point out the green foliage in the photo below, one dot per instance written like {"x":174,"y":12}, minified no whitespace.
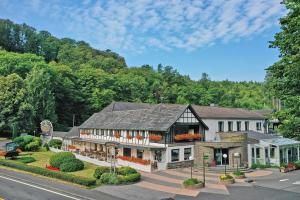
{"x":109,"y":178}
{"x":191,"y":181}
{"x":26,"y":159}
{"x":297,"y":164}
{"x":56,"y":143}
{"x":71,"y":165}
{"x":59,"y":158}
{"x":130,"y":178}
{"x":125,"y":170}
{"x":225,"y":177}
{"x":101,"y":170}
{"x":238,"y":173}
{"x":28,"y":142}
{"x":283,"y":76}
{"x":45,"y":172}
{"x":43,"y":75}
{"x":46,"y":146}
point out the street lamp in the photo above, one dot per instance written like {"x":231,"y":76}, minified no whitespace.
{"x":225,"y":156}
{"x":191,"y":158}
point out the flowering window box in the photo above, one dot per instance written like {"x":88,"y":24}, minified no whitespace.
{"x":155,"y":137}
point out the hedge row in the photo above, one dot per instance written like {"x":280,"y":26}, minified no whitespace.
{"x":52,"y":174}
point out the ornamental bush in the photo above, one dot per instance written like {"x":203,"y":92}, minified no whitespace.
{"x":130,"y":178}
{"x":125,"y":170}
{"x":225,"y":177}
{"x":22,"y":141}
{"x":56,"y":143}
{"x":109,"y":178}
{"x":101,"y":170}
{"x":59,"y":158}
{"x":238,"y":173}
{"x":32,"y":146}
{"x":53,"y":174}
{"x":72,"y":165}
{"x":297,"y":164}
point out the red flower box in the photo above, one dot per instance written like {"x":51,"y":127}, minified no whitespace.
{"x":71,"y":147}
{"x":117,"y":135}
{"x":155,"y":137}
{"x":135,"y":160}
{"x":139,"y":137}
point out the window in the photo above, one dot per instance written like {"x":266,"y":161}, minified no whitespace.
{"x":253,"y":152}
{"x":174,"y":155}
{"x":230,"y":126}
{"x":246,"y":126}
{"x":272,"y":152}
{"x":127,"y":152}
{"x":258,"y":126}
{"x":102,"y":132}
{"x":111,"y":134}
{"x":221,"y":126}
{"x":238,"y":126}
{"x":257,"y":153}
{"x":139,"y":153}
{"x":187,"y":153}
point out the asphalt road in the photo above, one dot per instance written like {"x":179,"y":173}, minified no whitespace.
{"x":17,"y":186}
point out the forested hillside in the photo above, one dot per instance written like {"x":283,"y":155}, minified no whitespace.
{"x":43,"y":77}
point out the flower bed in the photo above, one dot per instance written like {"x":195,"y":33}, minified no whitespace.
{"x":52,"y":168}
{"x":239,"y":175}
{"x":192,"y":183}
{"x":226,"y":179}
{"x":287,"y":167}
{"x":135,"y":160}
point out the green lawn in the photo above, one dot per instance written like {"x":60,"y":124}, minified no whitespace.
{"x":42,"y":159}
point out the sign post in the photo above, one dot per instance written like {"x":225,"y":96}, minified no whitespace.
{"x":205,"y":157}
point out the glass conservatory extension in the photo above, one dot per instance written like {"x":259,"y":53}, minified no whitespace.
{"x":274,"y":151}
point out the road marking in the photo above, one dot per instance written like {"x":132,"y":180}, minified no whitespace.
{"x":37,"y":187}
{"x":297,"y":183}
{"x":282,"y":180}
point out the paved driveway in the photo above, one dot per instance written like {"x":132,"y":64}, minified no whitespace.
{"x":281,"y":181}
{"x":2,"y":144}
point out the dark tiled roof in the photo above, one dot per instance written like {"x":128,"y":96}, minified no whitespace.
{"x":71,"y":133}
{"x":215,"y":112}
{"x":136,"y":116}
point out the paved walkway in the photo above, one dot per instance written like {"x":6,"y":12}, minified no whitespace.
{"x":168,"y":183}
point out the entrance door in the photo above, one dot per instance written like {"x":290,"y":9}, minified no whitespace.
{"x":218,"y":153}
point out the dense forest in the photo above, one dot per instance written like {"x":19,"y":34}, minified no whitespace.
{"x":43,"y":77}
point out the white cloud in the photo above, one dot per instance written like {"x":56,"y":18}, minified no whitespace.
{"x":141,"y":24}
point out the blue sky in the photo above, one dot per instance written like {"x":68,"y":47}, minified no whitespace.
{"x":228,"y":39}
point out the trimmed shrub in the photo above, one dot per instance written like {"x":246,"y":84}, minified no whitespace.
{"x":101,"y":170}
{"x":53,"y":174}
{"x":109,"y":178}
{"x":126,"y":170}
{"x":26,"y":159}
{"x":32,"y":146}
{"x":28,"y":142}
{"x":225,"y":177}
{"x":71,"y":165}
{"x":59,"y":158}
{"x":238,"y":173}
{"x":130,"y":178}
{"x":297,"y":164}
{"x":56,"y":143}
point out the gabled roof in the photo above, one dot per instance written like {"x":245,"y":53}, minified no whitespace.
{"x":216,"y":112}
{"x":136,"y":116}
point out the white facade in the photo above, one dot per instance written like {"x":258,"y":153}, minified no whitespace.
{"x":213,"y":125}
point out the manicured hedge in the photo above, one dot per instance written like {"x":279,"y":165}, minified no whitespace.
{"x":26,"y":159}
{"x":101,"y":170}
{"x":130,"y":178}
{"x":28,"y":142}
{"x":109,"y":178}
{"x":59,"y":158}
{"x":72,"y":165}
{"x":45,"y":172}
{"x":125,"y":170}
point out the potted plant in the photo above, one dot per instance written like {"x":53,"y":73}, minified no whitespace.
{"x":192,"y":183}
{"x":226,"y":179}
{"x":239,"y":175}
{"x":283,"y":168}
